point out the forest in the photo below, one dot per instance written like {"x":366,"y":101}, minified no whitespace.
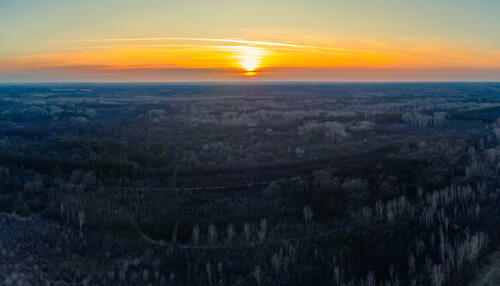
{"x":343,"y":184}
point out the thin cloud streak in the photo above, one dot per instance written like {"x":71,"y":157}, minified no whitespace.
{"x":246,"y":42}
{"x":178,"y":39}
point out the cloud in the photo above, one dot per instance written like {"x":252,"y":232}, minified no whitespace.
{"x":260,"y":43}
{"x":382,"y":74}
{"x":102,"y":74}
{"x":178,"y":59}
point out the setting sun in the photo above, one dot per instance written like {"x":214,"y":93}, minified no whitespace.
{"x":249,"y":58}
{"x":249,"y":63}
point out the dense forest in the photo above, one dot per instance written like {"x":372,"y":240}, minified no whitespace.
{"x":248,"y":184}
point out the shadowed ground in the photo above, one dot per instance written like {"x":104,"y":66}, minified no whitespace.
{"x":490,"y":273}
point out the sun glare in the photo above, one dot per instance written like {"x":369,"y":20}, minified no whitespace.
{"x":249,"y":61}
{"x":248,"y":58}
{"x":250,"y":64}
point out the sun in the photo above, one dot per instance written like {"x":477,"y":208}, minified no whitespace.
{"x":249,"y":63}
{"x":249,"y":58}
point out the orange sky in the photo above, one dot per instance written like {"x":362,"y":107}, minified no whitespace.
{"x":240,"y":57}
{"x":192,"y":40}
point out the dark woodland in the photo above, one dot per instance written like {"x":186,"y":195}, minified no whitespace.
{"x":370,"y":184}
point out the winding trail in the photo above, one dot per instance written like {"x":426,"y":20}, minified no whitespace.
{"x":489,"y":275}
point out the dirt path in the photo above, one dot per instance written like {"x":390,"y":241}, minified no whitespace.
{"x":490,"y":274}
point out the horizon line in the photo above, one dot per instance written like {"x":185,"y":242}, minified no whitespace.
{"x":249,"y":82}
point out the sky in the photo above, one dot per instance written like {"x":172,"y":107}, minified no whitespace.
{"x":235,"y":40}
